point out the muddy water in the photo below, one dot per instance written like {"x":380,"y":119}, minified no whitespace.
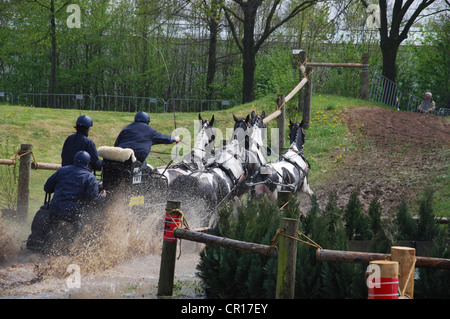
{"x":117,"y":256}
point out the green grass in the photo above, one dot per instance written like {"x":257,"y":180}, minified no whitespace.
{"x":328,"y":140}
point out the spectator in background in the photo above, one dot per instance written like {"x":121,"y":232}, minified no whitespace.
{"x":427,"y":105}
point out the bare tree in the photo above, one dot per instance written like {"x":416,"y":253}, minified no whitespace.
{"x":392,"y":33}
{"x":251,"y":41}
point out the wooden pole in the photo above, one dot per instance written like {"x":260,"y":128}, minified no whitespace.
{"x":281,"y":122}
{"x":48,"y":166}
{"x":7,"y":162}
{"x":365,"y":77}
{"x":169,"y":249}
{"x":288,"y":97}
{"x":23,"y":185}
{"x":349,"y":256}
{"x":301,"y":72}
{"x":344,"y":65}
{"x":365,"y":258}
{"x":283,"y":198}
{"x":308,"y":96}
{"x":287,"y":257}
{"x":406,"y":258}
{"x":269,"y":251}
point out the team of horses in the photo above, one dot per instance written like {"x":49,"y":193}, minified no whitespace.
{"x":241,"y":166}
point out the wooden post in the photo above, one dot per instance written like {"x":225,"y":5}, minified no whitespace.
{"x":365,"y":77}
{"x":283,"y":197}
{"x":287,"y":257}
{"x":281,"y":123}
{"x":23,"y":185}
{"x":406,"y":257}
{"x":307,"y":99}
{"x":301,"y":72}
{"x":169,"y":249}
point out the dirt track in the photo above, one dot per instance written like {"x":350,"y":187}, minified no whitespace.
{"x":398,"y":154}
{"x":391,"y":128}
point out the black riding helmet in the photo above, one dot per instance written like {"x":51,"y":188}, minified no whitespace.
{"x":84,"y":121}
{"x":142,"y":117}
{"x":82,"y":157}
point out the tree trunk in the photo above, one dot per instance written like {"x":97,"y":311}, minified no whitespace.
{"x":249,"y":53}
{"x":248,"y":82}
{"x":212,"y":56}
{"x":389,"y":49}
{"x":52,"y":82}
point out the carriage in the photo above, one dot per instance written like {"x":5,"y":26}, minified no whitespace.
{"x":136,"y":183}
{"x":235,"y":169}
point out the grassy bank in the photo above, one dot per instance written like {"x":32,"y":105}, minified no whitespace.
{"x":328,"y":140}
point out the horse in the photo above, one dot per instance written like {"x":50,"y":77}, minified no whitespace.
{"x":289,"y":173}
{"x":197,"y":158}
{"x":225,"y":176}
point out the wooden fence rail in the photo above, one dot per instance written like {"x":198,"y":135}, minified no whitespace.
{"x":26,"y":164}
{"x":266,"y":250}
{"x":365,"y":258}
{"x":286,"y":254}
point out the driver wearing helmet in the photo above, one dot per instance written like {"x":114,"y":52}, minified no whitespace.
{"x":140,"y":137}
{"x":74,"y":187}
{"x":80,"y":142}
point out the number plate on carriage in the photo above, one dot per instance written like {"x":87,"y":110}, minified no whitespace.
{"x":137,"y":176}
{"x":137,"y":200}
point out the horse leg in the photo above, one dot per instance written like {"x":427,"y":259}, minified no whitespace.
{"x":306,"y":189}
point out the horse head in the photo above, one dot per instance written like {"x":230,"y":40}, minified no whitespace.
{"x":240,"y":126}
{"x":204,"y":142}
{"x":296,"y":136}
{"x":257,"y":133}
{"x":257,"y":119}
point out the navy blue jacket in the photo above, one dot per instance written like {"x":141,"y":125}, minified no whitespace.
{"x":80,"y":142}
{"x":74,"y":187}
{"x":140,"y":137}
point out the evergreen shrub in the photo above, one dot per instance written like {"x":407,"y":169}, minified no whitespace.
{"x":226,"y":273}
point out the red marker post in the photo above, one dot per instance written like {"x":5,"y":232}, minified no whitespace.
{"x":383,"y":282}
{"x":169,"y":249}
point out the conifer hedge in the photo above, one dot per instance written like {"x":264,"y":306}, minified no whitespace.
{"x":227,"y":273}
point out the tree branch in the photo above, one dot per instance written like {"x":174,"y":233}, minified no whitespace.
{"x":62,"y":7}
{"x":42,"y":5}
{"x":268,"y":31}
{"x":233,"y":31}
{"x":411,"y":21}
